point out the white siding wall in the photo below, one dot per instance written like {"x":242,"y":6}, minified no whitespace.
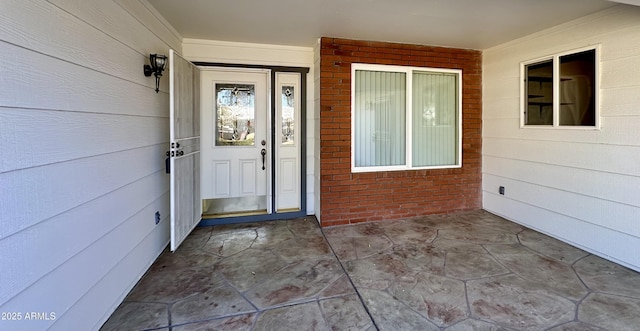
{"x":581,"y":186}
{"x":198,"y":50}
{"x":82,"y":169}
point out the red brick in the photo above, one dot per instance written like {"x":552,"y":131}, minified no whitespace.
{"x":361,"y":197}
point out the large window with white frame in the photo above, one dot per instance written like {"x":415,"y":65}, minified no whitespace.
{"x":405,"y":118}
{"x":561,"y":90}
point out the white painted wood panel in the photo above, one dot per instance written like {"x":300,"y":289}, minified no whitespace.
{"x":316,"y":130}
{"x":185,"y":216}
{"x":153,"y":21}
{"x":618,"y":48}
{"x":246,"y":53}
{"x":588,"y":32}
{"x":568,"y":34}
{"x":615,"y":131}
{"x":30,"y":23}
{"x":620,"y":72}
{"x":221,"y":175}
{"x":601,"y":212}
{"x":39,"y":137}
{"x":502,"y":87}
{"x":581,"y":186}
{"x":59,"y":187}
{"x":92,"y":219}
{"x":102,"y":14}
{"x":501,"y":109}
{"x":602,"y":185}
{"x":612,"y":245}
{"x":186,"y":210}
{"x":93,"y":307}
{"x":288,"y":183}
{"x":66,"y":86}
{"x":599,"y":157}
{"x":624,"y":101}
{"x":109,"y":250}
{"x":91,"y":172}
{"x":248,"y":181}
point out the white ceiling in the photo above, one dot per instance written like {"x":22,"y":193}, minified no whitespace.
{"x":475,"y":24}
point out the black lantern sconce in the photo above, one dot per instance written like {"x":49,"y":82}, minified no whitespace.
{"x":156,"y":67}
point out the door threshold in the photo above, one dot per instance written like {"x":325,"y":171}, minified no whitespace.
{"x":234,"y":214}
{"x":287,"y":210}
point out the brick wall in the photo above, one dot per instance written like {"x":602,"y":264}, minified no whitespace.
{"x":359,"y":197}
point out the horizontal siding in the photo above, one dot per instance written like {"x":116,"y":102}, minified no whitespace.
{"x":615,"y":131}
{"x":153,"y":21}
{"x":110,"y":249}
{"x":103,"y":14}
{"x":579,"y":185}
{"x":35,"y":136}
{"x":92,"y":219}
{"x":623,"y":101}
{"x":612,"y":245}
{"x":62,"y":85}
{"x":82,"y":173}
{"x":620,"y":73}
{"x":619,"y":188}
{"x":592,"y":210}
{"x":598,"y":157}
{"x":145,"y":250}
{"x":40,"y":193}
{"x":45,"y":28}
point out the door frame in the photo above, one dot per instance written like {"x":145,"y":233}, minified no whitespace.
{"x":303,"y":71}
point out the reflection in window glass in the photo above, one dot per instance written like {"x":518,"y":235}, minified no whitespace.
{"x":235,"y":114}
{"x":539,"y":86}
{"x":434,"y":111}
{"x":562,"y":91}
{"x":380,"y":122}
{"x":577,"y":89}
{"x":288,"y":115}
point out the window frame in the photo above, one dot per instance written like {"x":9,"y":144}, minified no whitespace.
{"x":555,"y":58}
{"x":408,"y":70}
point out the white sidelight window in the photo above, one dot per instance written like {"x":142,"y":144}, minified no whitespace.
{"x":561,"y":90}
{"x":405,"y":118}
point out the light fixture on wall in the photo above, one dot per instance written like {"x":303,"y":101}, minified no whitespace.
{"x":156,"y":68}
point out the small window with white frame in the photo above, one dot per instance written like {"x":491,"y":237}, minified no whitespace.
{"x":561,"y":90}
{"x":405,"y":118}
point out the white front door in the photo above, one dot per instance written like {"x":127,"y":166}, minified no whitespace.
{"x":235,"y":146}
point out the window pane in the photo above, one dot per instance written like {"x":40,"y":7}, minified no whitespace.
{"x":379,"y":116}
{"x":434,"y":118}
{"x":577,"y":89}
{"x":539,"y":92}
{"x":288,"y":113}
{"x":235,"y":113}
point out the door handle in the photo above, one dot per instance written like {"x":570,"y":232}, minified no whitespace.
{"x":263,"y":152}
{"x":167,"y":164}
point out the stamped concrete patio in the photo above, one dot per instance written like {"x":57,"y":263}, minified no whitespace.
{"x":465,"y":271}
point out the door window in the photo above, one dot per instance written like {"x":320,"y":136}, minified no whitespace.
{"x":235,"y":114}
{"x":288,"y":115}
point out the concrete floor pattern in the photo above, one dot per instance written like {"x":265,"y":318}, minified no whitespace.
{"x":463,"y":271}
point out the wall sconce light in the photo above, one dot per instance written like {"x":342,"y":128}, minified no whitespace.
{"x":156,"y":68}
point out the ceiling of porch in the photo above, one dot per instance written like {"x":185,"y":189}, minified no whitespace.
{"x":474,"y":24}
